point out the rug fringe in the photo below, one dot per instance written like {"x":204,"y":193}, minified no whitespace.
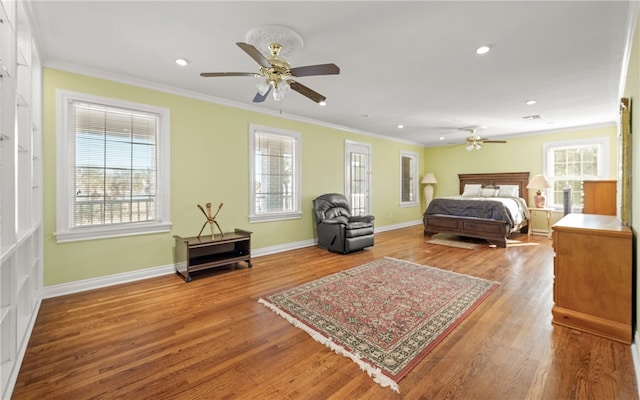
{"x":375,"y":373}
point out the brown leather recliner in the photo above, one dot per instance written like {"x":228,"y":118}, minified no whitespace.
{"x":338,"y":230}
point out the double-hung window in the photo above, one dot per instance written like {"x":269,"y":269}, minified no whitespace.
{"x":113,"y":168}
{"x":568,"y":163}
{"x":275,"y":174}
{"x":408,"y":179}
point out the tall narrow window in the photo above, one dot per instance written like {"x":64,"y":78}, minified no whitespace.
{"x":113,"y":168}
{"x":568,"y":163}
{"x":408,"y":179}
{"x":275,"y":174}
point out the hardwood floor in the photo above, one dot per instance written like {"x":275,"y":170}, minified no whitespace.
{"x":163,"y":338}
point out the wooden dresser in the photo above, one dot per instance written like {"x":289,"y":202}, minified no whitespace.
{"x":593,"y":275}
{"x":599,"y":197}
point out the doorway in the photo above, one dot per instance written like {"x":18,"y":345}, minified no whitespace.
{"x":358,"y":176}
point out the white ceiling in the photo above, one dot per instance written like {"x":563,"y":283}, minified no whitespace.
{"x":410,"y":63}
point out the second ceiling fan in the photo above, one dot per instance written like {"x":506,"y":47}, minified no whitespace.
{"x":277,"y":73}
{"x":475,"y":142}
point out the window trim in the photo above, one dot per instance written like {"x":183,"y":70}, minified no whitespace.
{"x":416,"y":196}
{"x":297,"y":176}
{"x":65,"y":232}
{"x":603,"y":159}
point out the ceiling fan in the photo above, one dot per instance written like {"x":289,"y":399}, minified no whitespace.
{"x":276,"y":73}
{"x":475,"y":142}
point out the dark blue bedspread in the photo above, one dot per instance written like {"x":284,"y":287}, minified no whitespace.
{"x":470,"y":207}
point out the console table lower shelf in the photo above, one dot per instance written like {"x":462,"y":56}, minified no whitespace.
{"x":204,"y":252}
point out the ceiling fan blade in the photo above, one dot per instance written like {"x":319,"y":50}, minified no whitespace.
{"x":494,"y":141}
{"x":255,"y":54}
{"x":259,"y":98}
{"x":320,"y":69}
{"x":305,"y":91}
{"x":211,"y":74}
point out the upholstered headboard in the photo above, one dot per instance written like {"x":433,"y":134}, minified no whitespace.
{"x":496,"y":179}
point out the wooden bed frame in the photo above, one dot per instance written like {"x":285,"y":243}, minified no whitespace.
{"x":495,"y":232}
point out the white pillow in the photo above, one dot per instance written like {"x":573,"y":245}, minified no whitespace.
{"x":489,"y":192}
{"x":509,"y":190}
{"x":472,"y":189}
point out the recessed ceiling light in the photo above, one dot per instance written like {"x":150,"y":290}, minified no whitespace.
{"x":181,"y":62}
{"x":531,"y":102}
{"x":400,"y":126}
{"x":441,"y":138}
{"x":322,"y":103}
{"x":483,"y":50}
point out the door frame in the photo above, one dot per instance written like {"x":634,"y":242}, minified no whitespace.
{"x":350,"y":147}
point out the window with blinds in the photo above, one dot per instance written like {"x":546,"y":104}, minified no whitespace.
{"x":408,"y":179}
{"x":115,"y":167}
{"x":275,"y":176}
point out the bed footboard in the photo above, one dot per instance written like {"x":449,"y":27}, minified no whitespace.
{"x":495,"y":232}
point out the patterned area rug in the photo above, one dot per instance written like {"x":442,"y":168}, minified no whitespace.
{"x":385,"y":315}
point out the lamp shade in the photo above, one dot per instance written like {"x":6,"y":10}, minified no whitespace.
{"x":429,"y":178}
{"x":539,"y":182}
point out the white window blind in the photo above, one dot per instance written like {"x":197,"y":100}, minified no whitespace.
{"x":408,"y":179}
{"x":113,"y":168}
{"x":275,"y":166}
{"x":116,"y":167}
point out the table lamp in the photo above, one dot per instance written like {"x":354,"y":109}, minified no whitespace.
{"x":539,"y":182}
{"x":428,"y":180}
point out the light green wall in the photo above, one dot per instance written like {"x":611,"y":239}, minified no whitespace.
{"x":520,"y":154}
{"x":209,"y":163}
{"x":632,"y":91}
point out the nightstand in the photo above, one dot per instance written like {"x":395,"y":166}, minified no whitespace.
{"x":547,"y":212}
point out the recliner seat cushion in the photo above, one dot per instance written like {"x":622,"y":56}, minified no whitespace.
{"x":355,"y":229}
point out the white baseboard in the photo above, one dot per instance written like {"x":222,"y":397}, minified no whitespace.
{"x":104,"y":281}
{"x":398,"y":226}
{"x":116,"y":279}
{"x":283,"y":247}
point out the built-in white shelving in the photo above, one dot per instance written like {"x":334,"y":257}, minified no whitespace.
{"x":20,"y":188}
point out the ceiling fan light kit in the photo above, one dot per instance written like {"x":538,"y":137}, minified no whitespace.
{"x":474,"y":142}
{"x":275,"y":71}
{"x":473,"y":146}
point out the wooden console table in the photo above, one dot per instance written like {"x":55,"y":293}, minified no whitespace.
{"x":198,"y":253}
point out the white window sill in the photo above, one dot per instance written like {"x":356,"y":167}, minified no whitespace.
{"x":92,"y":233}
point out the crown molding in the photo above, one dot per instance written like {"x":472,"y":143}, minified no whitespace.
{"x":101,"y":74}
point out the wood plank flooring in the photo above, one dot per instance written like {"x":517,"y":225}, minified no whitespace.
{"x":163,"y":338}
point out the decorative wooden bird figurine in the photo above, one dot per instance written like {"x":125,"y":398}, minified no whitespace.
{"x":210,"y":220}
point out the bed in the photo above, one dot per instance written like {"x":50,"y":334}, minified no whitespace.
{"x":492,"y":226}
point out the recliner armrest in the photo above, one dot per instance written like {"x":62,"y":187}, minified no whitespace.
{"x":362,"y":218}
